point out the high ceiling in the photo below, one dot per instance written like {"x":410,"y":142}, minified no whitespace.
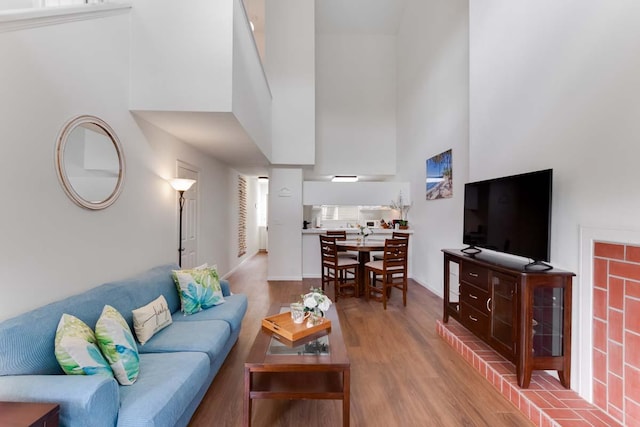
{"x":220,"y":134}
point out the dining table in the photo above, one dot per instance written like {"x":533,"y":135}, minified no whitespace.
{"x":364,"y":247}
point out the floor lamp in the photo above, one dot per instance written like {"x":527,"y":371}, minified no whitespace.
{"x":181,"y":185}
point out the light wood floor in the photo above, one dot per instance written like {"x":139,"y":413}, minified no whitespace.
{"x":402,"y":372}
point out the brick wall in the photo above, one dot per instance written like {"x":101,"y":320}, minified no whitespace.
{"x":616,"y":331}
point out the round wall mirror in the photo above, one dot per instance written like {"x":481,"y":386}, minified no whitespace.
{"x":90,"y":162}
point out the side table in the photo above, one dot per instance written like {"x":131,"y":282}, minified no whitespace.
{"x":31,"y":414}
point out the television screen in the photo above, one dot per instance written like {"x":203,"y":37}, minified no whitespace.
{"x":510,"y":214}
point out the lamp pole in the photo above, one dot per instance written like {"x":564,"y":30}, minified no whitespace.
{"x":180,"y":248}
{"x":181,"y":185}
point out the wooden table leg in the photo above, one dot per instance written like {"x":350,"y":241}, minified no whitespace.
{"x":346,"y":389}
{"x":363,"y":257}
{"x":246,"y":415}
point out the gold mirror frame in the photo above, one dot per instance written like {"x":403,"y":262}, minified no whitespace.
{"x":65,"y":182}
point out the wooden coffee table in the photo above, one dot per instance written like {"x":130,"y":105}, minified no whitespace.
{"x":315,"y":367}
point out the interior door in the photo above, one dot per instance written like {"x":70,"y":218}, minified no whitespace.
{"x":189,"y":242}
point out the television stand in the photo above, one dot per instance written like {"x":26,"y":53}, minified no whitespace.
{"x":538,"y":266}
{"x":524,"y":315}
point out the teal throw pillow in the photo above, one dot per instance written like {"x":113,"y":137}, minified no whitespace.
{"x":118,"y":346}
{"x":76,"y":349}
{"x":198,"y":288}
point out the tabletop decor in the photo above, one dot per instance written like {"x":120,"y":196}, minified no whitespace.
{"x":364,"y":232}
{"x":401,"y":205}
{"x":316,"y":303}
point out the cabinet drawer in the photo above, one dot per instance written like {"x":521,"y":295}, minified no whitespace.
{"x":475,"y":297}
{"x":476,"y":321}
{"x":474,"y":274}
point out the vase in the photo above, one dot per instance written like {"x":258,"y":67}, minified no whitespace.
{"x":315,"y":318}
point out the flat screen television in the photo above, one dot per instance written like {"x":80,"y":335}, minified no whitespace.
{"x":510,"y":214}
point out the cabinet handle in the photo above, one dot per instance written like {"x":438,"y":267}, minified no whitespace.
{"x":472,"y":296}
{"x":489,"y":305}
{"x":473,"y":274}
{"x":473,"y":318}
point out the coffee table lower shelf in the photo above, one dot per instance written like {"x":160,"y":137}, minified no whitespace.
{"x":330,"y":383}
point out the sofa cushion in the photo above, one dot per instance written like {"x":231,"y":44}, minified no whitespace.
{"x":167,"y":384}
{"x":199,"y":289}
{"x":76,"y":348}
{"x":207,"y":336}
{"x":232,"y":311}
{"x":118,"y":346}
{"x":151,"y":318}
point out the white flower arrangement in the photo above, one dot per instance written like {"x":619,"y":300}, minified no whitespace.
{"x":316,"y":300}
{"x":365,"y":231}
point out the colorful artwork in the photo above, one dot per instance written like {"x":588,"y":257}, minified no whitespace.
{"x":440,"y":176}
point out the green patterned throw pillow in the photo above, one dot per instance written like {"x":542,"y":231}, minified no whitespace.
{"x":76,"y":349}
{"x":198,"y":288}
{"x":118,"y":346}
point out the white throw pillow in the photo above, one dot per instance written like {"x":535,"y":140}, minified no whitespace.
{"x":151,"y":318}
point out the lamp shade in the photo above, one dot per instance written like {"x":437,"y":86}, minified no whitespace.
{"x":181,"y":184}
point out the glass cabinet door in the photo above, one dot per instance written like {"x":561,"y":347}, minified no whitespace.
{"x":547,"y":324}
{"x":502,"y":304}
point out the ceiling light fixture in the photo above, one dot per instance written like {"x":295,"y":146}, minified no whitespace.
{"x":344,"y":178}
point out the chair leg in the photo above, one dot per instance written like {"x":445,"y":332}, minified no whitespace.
{"x":385,"y":281}
{"x":367,"y":289}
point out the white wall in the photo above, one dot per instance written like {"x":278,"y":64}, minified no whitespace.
{"x":51,"y":247}
{"x":557,"y":85}
{"x":355,"y":104}
{"x":290,"y":64}
{"x":182,"y":56}
{"x":433,"y":117}
{"x":285,"y":224}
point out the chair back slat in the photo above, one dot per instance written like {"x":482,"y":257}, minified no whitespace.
{"x":338,"y":234}
{"x":329,"y":250}
{"x":395,"y":253}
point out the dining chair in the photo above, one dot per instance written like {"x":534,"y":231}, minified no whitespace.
{"x":395,"y":235}
{"x":341,"y":271}
{"x":391,"y":272}
{"x":342,"y":235}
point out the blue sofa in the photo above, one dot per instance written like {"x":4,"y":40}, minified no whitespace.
{"x":177,"y":365}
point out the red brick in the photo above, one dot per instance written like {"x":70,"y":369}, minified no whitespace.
{"x":600,"y":395}
{"x":632,"y":289}
{"x":633,"y":253}
{"x":632,"y":412}
{"x":616,"y":293}
{"x":600,"y":272}
{"x":573,"y":423}
{"x":609,"y":422}
{"x":577,"y":404}
{"x":632,"y":383}
{"x":534,"y":415}
{"x":632,"y":315}
{"x":608,"y":250}
{"x":600,"y":335}
{"x":615,"y":325}
{"x":616,"y":392}
{"x":600,"y":366}
{"x":600,"y":303}
{"x":632,"y":349}
{"x":562,"y":414}
{"x":624,"y":269}
{"x":549,"y":397}
{"x":614,"y":357}
{"x":615,"y":413}
{"x":594,"y":420}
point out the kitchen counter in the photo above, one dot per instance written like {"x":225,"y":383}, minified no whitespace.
{"x":353,"y":230}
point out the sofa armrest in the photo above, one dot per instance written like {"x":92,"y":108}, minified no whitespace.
{"x":84,"y":399}
{"x":224,"y":284}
